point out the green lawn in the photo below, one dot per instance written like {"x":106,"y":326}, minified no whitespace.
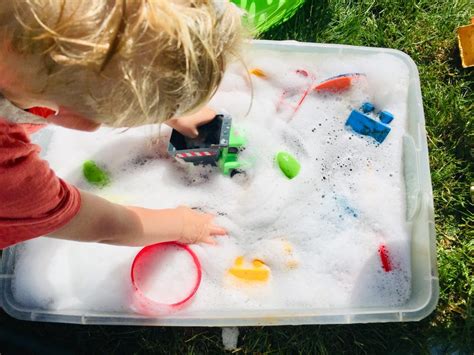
{"x":425,"y":30}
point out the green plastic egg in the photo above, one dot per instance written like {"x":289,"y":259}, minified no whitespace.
{"x":263,"y":14}
{"x":288,"y":164}
{"x":95,"y":175}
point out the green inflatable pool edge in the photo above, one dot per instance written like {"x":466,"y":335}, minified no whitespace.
{"x":264,"y":14}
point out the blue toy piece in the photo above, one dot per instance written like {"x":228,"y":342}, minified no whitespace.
{"x":347,"y":207}
{"x":386,"y":117}
{"x":367,"y":107}
{"x":367,"y":126}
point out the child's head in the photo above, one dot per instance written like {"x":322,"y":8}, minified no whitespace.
{"x":119,"y":62}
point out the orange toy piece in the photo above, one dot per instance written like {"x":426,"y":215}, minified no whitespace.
{"x":258,"y":271}
{"x":335,"y":85}
{"x":466,"y":44}
{"x":258,"y":72}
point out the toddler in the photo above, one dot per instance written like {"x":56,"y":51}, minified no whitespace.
{"x":120,"y":63}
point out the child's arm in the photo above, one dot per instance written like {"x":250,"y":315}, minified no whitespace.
{"x":35,"y":202}
{"x":188,"y":125}
{"x":99,"y":220}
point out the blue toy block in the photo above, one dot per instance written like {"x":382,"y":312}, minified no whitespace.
{"x":386,"y":117}
{"x":367,"y":107}
{"x":367,"y":126}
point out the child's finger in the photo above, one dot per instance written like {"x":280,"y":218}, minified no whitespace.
{"x":209,"y":240}
{"x":216,"y":230}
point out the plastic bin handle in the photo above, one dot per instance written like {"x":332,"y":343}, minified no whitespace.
{"x":411,"y":172}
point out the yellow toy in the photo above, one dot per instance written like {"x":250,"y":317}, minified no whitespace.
{"x":291,"y":262}
{"x":259,"y":73}
{"x":466,"y":44}
{"x":257,"y":271}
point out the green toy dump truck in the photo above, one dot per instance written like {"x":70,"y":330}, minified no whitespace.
{"x":218,"y":144}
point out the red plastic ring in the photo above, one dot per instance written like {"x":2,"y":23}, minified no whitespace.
{"x":146,"y":305}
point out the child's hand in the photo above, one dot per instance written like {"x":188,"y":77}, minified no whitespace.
{"x":198,"y":227}
{"x":181,"y":224}
{"x":188,"y":125}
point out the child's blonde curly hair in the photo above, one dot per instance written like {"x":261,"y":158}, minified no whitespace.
{"x":124,"y":62}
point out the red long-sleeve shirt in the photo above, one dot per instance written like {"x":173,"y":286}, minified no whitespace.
{"x":33,"y":200}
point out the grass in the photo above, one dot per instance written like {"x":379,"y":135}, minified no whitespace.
{"x":425,"y":30}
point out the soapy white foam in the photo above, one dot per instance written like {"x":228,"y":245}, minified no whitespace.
{"x":319,"y":233}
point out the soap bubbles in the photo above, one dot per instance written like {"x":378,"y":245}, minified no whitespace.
{"x":318,"y":233}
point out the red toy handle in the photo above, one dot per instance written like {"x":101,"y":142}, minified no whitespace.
{"x":148,"y":306}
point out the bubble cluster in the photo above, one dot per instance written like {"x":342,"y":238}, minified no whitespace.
{"x":319,"y":233}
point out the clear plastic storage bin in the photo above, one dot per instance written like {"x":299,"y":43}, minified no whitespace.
{"x":420,"y":220}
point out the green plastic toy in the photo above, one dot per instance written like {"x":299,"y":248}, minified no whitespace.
{"x":288,"y":164}
{"x":218,"y":144}
{"x":264,"y":14}
{"x":229,"y":160}
{"x":95,"y":175}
